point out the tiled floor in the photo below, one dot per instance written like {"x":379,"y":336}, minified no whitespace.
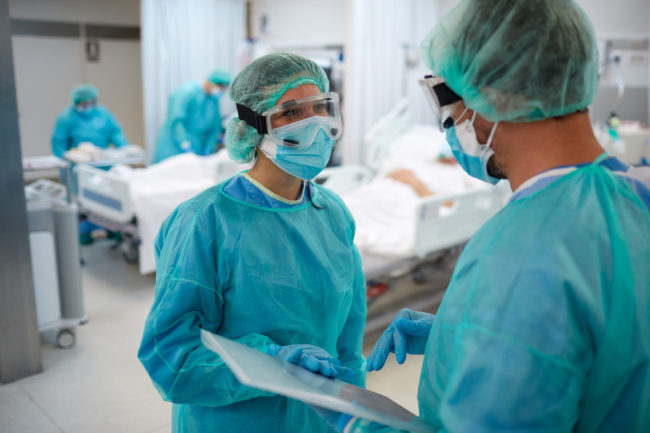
{"x":99,"y":385}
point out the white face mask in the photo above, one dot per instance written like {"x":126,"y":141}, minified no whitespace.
{"x":471,"y":155}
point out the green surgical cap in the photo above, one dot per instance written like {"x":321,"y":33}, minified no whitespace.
{"x":220,"y":77}
{"x":259,"y":86}
{"x":515,"y":60}
{"x":84,"y":92}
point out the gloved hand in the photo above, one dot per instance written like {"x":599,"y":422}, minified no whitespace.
{"x":407,"y":333}
{"x":312,"y":358}
{"x":337,"y":420}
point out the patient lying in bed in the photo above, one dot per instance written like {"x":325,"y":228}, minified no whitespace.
{"x":385,"y":208}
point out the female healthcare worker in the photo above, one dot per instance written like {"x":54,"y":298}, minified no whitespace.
{"x":265,"y":258}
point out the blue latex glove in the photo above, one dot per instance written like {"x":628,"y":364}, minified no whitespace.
{"x":407,"y":333}
{"x":312,"y":358}
{"x":337,"y":420}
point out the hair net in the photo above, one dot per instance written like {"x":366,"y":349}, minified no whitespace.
{"x":516,"y":60}
{"x":220,"y":77}
{"x":84,"y":92}
{"x":259,"y":86}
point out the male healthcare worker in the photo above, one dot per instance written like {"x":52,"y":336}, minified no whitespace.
{"x":85,"y":121}
{"x":545,"y":325}
{"x":193,"y":119}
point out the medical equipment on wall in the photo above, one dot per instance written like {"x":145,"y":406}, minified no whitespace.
{"x":56,"y":266}
{"x":625,"y":65}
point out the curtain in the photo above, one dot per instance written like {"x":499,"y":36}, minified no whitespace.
{"x":383,"y":63}
{"x":183,"y":40}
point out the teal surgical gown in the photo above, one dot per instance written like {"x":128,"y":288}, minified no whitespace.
{"x":98,"y":127}
{"x":193,"y":123}
{"x":232,"y":261}
{"x":545,"y":325}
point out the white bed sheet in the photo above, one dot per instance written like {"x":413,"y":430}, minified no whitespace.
{"x":384,"y":209}
{"x":158,"y":189}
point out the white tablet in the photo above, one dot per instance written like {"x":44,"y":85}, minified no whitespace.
{"x":260,"y":370}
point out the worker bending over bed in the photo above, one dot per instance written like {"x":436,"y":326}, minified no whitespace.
{"x":545,"y":325}
{"x":85,"y":122}
{"x":193,"y":118}
{"x":266,"y":258}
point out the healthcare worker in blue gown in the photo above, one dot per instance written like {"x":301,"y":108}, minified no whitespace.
{"x":265,"y":258}
{"x":85,"y":121}
{"x":193,"y":121}
{"x":545,"y":325}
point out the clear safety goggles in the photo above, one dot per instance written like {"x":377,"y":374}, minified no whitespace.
{"x":276,"y":121}
{"x":86,"y":105}
{"x":441,"y":99}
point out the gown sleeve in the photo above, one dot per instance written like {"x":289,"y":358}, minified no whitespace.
{"x":60,"y":135}
{"x":116,"y":135}
{"x":188,"y":298}
{"x":350,"y":342}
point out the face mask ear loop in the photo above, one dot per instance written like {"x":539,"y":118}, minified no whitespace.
{"x":461,"y":115}
{"x":492,"y":133}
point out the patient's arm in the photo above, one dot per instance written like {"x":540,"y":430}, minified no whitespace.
{"x":409,"y":178}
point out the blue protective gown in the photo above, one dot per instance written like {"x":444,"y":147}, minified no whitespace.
{"x":545,"y":325}
{"x":248,"y":267}
{"x":193,"y":117}
{"x":98,"y":127}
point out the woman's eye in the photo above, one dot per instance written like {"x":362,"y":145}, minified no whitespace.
{"x":291,"y":114}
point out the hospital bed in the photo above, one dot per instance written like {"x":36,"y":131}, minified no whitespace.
{"x":400,"y":235}
{"x":135,"y":202}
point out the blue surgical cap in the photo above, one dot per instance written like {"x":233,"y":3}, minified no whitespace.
{"x":220,"y":77}
{"x":515,"y":60}
{"x":84,"y":92}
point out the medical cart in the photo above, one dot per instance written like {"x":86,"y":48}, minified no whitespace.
{"x":56,"y":267}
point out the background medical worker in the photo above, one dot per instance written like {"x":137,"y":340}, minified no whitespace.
{"x":193,"y":119}
{"x":85,"y":121}
{"x":266,"y":258}
{"x":545,"y":325}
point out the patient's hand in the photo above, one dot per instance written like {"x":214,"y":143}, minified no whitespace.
{"x":448,"y":161}
{"x":409,"y":178}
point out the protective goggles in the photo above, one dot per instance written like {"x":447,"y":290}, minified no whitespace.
{"x":87,"y":104}
{"x":440,"y":98}
{"x":276,"y":121}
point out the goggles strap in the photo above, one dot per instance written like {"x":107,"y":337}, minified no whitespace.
{"x":255,"y":120}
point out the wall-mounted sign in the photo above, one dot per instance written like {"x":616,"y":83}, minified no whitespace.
{"x":92,"y":50}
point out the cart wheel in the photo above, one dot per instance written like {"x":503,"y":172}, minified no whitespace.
{"x":130,"y":252}
{"x":66,"y":339}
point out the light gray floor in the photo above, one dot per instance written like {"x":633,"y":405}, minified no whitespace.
{"x":99,"y":385}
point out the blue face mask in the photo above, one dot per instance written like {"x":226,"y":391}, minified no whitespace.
{"x":306,"y":160}
{"x":472,"y":156}
{"x":86,"y":111}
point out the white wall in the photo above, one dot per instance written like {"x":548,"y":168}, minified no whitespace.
{"x":47,"y":68}
{"x":299,"y":22}
{"x":618,"y":17}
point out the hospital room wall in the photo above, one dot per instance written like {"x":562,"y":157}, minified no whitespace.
{"x":618,"y":21}
{"x":48,"y":67}
{"x":290,"y":23}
